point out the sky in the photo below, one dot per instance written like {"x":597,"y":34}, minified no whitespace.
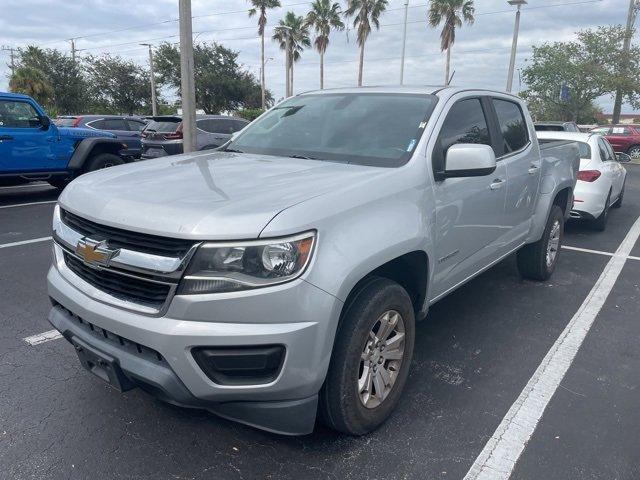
{"x":480,"y":55}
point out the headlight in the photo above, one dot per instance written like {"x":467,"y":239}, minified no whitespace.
{"x":227,"y":267}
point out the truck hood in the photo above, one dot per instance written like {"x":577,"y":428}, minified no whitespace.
{"x":215,"y":196}
{"x":75,"y":132}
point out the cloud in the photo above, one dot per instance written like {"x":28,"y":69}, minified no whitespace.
{"x":480,"y":55}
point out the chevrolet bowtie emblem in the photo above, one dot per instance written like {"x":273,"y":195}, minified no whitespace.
{"x":95,"y":252}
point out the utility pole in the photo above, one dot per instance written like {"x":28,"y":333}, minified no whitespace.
{"x":404,"y":40}
{"x":634,"y":5}
{"x":154,"y":103}
{"x":514,"y":44}
{"x":12,"y":56}
{"x":73,"y":49}
{"x":187,"y":83}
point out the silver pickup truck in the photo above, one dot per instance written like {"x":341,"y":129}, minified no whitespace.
{"x":279,"y":279}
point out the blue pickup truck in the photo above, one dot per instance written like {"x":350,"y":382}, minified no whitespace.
{"x":33,"y":148}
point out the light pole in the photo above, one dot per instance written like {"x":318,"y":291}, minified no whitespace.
{"x":154,"y":104}
{"x":514,"y":45}
{"x":264,"y":104}
{"x":187,"y":84}
{"x":404,"y":40}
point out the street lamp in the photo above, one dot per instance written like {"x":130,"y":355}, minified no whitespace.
{"x":514,"y":45}
{"x":154,"y":102}
{"x":404,"y":40}
{"x":262,"y":80}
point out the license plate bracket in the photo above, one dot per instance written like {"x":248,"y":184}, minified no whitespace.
{"x":102,"y":365}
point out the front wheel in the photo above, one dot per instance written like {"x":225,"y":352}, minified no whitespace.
{"x":103,"y":160}
{"x":538,"y":260}
{"x":371,"y":359}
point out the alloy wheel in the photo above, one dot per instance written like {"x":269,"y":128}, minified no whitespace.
{"x":553,"y":244}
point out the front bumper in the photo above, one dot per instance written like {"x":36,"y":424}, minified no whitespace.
{"x":297,"y":315}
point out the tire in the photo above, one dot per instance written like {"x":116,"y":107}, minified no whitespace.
{"x":343,"y":405}
{"x":600,"y":223}
{"x":103,"y":160}
{"x":59,"y":183}
{"x":538,"y":260}
{"x":634,"y":152}
{"x":618,"y":202}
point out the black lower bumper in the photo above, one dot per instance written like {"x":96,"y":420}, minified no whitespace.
{"x":126,"y":364}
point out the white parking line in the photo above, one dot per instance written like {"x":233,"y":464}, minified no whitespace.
{"x":26,"y":204}
{"x":31,"y":185}
{"x":43,"y":337}
{"x":598,"y":252}
{"x":25,"y":242}
{"x":499,"y":456}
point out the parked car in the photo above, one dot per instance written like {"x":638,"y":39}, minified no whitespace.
{"x":601,"y":178}
{"x":283,"y":274}
{"x":556,"y":127}
{"x":127,"y":129}
{"x":623,"y":138}
{"x":163,"y":135}
{"x":33,"y":148}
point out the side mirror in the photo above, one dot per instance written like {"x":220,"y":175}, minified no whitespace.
{"x":623,"y":157}
{"x":469,"y":160}
{"x":45,"y":122}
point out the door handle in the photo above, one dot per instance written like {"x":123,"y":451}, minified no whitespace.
{"x":497,"y":183}
{"x":533,"y":169}
{"x":5,"y":137}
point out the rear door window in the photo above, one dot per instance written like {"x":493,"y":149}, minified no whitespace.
{"x":606,"y":154}
{"x":114,"y":124}
{"x":136,"y":125}
{"x":216,"y":125}
{"x":512,"y":125}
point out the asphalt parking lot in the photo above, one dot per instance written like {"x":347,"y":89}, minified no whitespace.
{"x":476,"y":357}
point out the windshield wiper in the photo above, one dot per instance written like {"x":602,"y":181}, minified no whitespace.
{"x":303,"y":157}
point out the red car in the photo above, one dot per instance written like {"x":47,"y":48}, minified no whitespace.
{"x":623,"y":138}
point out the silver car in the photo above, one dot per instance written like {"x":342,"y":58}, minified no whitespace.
{"x":284,"y":275}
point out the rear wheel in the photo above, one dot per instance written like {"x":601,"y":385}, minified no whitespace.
{"x":618,"y":202}
{"x":538,"y":260}
{"x":600,"y":223}
{"x":103,"y":160}
{"x":634,"y":152}
{"x":371,"y":359}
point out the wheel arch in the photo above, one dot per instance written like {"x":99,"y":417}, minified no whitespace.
{"x":90,"y":147}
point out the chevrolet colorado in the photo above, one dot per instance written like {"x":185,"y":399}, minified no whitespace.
{"x":280,"y":278}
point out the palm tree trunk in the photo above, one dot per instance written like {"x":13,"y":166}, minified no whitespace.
{"x":291,"y":81}
{"x":447,"y":66}
{"x":262,"y":73}
{"x":361,"y":64}
{"x":321,"y":70}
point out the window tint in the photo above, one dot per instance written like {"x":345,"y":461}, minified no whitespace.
{"x":97,"y":124}
{"x":549,"y":128}
{"x":512,"y":125}
{"x":114,"y":124}
{"x":465,"y":123}
{"x":136,"y":125}
{"x":216,"y":125}
{"x":605,"y":154}
{"x":585,"y":150}
{"x":18,"y":115}
{"x":239,"y":125}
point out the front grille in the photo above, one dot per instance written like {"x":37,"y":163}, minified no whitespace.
{"x":121,"y":286}
{"x":118,"y":238}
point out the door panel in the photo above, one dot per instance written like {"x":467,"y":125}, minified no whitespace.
{"x":469,"y":211}
{"x":24,"y":146}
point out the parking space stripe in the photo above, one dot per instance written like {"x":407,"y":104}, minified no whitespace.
{"x":499,"y":456}
{"x":43,"y":337}
{"x":27,"y":204}
{"x":598,"y":252}
{"x":25,"y":242}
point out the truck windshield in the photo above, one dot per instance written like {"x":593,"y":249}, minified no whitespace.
{"x":378,"y":129}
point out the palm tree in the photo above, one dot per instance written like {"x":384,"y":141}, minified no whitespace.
{"x":32,"y":82}
{"x":323,"y":17}
{"x":453,"y":13}
{"x":296,"y":30}
{"x":366,"y":12}
{"x":262,"y":6}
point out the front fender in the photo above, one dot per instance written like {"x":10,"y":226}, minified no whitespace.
{"x":87,"y":145}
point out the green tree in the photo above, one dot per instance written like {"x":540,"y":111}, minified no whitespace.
{"x":588,"y":67}
{"x":32,"y":82}
{"x":221,"y":84}
{"x":324,"y":17}
{"x":452,"y":13}
{"x":62,"y":73}
{"x":296,"y":29}
{"x":262,"y":6}
{"x":117,"y":86}
{"x":365,"y":13}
